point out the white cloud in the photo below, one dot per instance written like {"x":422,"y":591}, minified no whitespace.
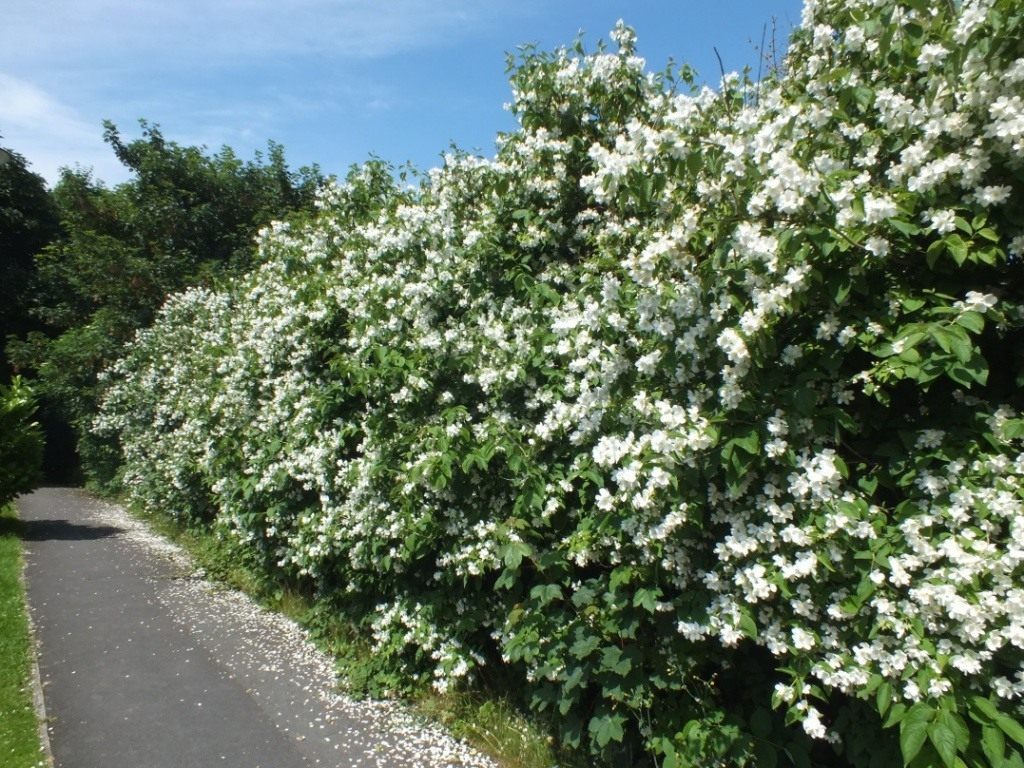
{"x":209,"y":31}
{"x":47,"y":132}
{"x":209,"y":72}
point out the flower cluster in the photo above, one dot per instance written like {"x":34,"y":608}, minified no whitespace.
{"x":691,"y":407}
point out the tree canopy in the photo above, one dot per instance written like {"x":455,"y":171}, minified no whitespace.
{"x":186,"y":217}
{"x":28,"y":221}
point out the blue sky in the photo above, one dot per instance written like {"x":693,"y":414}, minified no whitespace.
{"x":334,"y":81}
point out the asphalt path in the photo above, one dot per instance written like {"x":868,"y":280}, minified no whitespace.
{"x":145,"y":664}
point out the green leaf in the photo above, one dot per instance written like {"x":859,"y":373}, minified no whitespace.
{"x":972,"y":321}
{"x":957,"y":248}
{"x":842,"y":289}
{"x":974,"y":371}
{"x":896,"y":715}
{"x":926,"y":758}
{"x":613,"y":660}
{"x":605,"y":728}
{"x":948,"y":734}
{"x":647,"y":599}
{"x":914,"y":730}
{"x":671,"y":759}
{"x":507,"y":579}
{"x":575,"y":678}
{"x":513,"y":553}
{"x":985,"y":707}
{"x":545,"y":593}
{"x":942,"y":338}
{"x":868,"y":484}
{"x":910,"y":355}
{"x":906,"y":227}
{"x":960,"y":730}
{"x":584,"y":646}
{"x":747,"y":625}
{"x":747,"y":443}
{"x":571,"y":731}
{"x":620,"y":575}
{"x":1013,"y":429}
{"x":750,"y":443}
{"x":1011,"y":728}
{"x":883,"y":698}
{"x":584,"y":595}
{"x":993,"y":744}
{"x":962,"y":348}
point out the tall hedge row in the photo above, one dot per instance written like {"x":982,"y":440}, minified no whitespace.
{"x":692,"y":412}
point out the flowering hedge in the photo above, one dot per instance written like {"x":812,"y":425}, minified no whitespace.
{"x":694,"y":411}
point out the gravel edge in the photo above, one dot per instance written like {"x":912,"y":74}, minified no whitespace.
{"x":422,"y":741}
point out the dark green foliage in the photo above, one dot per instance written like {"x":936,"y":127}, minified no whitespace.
{"x":186,"y":218}
{"x":21,"y":441}
{"x":28,"y":221}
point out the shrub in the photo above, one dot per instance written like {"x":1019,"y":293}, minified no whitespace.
{"x":695,"y":410}
{"x":21,"y":441}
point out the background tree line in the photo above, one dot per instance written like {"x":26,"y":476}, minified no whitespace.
{"x":83,"y":266}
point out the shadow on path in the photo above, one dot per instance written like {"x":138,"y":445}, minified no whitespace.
{"x":55,"y":530}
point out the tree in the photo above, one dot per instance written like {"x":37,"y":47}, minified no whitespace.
{"x":185,"y":218}
{"x":28,"y":221}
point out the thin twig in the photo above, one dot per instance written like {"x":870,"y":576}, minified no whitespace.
{"x":721,"y":69}
{"x":760,"y":64}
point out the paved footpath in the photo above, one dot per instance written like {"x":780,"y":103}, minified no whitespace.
{"x":145,"y":664}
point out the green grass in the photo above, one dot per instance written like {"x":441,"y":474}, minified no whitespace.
{"x":493,"y":726}
{"x":19,"y":728}
{"x":485,"y":720}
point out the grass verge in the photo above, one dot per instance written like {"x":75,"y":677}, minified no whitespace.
{"x":19,"y":729}
{"x":488,"y":722}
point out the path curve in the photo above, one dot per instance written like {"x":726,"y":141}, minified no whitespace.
{"x":145,"y":663}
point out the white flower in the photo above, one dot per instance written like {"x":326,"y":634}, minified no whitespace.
{"x":930,"y":438}
{"x":802,"y":639}
{"x":992,"y":195}
{"x":1004,"y":688}
{"x":691,"y":630}
{"x":878,"y":208}
{"x":605,"y":501}
{"x":877,"y":246}
{"x":848,"y":334}
{"x":943,"y":221}
{"x":1016,"y":246}
{"x":623,"y":36}
{"x":733,"y":345}
{"x":827,"y":328}
{"x":812,"y":724}
{"x":854,"y":38}
{"x":648,"y":364}
{"x":976,"y":301}
{"x":791,"y":354}
{"x":931,"y":53}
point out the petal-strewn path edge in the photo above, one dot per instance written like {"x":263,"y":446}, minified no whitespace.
{"x":90,"y":564}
